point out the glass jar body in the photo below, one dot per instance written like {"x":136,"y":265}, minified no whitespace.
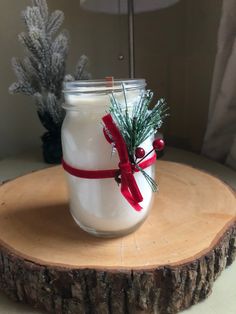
{"x":97,"y":205}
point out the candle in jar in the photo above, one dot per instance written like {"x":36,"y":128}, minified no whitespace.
{"x":97,"y":205}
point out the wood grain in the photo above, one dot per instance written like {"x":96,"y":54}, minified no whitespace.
{"x":169,"y":263}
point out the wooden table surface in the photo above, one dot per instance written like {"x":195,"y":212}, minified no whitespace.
{"x":223,"y":298}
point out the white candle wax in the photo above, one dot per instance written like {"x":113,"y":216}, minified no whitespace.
{"x":97,"y":205}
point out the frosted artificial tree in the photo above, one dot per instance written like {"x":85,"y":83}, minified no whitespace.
{"x":42,"y":72}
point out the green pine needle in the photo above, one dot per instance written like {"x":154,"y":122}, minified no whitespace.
{"x":150,"y":181}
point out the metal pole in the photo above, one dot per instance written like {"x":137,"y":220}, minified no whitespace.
{"x":131,"y":38}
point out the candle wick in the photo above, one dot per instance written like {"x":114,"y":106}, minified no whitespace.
{"x":109,"y":81}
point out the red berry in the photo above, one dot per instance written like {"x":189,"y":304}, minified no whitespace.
{"x":158,"y":144}
{"x":139,"y":152}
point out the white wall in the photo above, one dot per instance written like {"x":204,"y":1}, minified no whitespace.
{"x":19,"y":127}
{"x":175,"y":51}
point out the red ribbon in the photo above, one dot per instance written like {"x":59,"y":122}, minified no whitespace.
{"x":129,"y":187}
{"x":103,"y":174}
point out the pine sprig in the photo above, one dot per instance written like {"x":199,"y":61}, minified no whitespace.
{"x":149,"y":121}
{"x":142,"y":122}
{"x":139,"y":124}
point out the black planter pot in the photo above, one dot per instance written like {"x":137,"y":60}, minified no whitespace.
{"x":52,"y":150}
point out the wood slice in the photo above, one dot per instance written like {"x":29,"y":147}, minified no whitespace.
{"x":168,"y":264}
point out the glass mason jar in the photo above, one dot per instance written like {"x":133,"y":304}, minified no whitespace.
{"x":97,"y":205}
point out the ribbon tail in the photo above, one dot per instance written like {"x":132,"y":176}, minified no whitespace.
{"x":129,"y":187}
{"x":133,"y":187}
{"x":130,"y":192}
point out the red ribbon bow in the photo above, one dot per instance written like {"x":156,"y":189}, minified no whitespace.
{"x":129,"y":187}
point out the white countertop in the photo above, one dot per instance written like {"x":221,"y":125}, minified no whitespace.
{"x":223,"y":298}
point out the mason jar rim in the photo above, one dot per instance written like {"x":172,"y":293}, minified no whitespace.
{"x":102,"y":85}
